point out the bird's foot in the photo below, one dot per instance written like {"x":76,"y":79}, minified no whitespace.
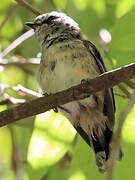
{"x":83,"y":81}
{"x":46,"y":94}
{"x":55,"y":109}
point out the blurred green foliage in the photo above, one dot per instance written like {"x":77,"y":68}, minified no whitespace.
{"x":45,"y":147}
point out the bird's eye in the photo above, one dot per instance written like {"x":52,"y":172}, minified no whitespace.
{"x":49,"y":20}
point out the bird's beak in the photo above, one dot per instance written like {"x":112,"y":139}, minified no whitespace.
{"x":31,"y":24}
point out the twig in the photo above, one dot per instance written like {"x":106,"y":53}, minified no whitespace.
{"x":130,"y":84}
{"x":116,"y":140}
{"x":121,"y":95}
{"x":15,"y":160}
{"x":9,"y":14}
{"x":124,"y":90}
{"x":21,"y":90}
{"x":5,"y":102}
{"x":28,"y":6}
{"x":25,"y":91}
{"x":25,"y":35}
{"x":20,"y":62}
{"x":16,"y":43}
{"x":43,"y":104}
{"x":12,"y":100}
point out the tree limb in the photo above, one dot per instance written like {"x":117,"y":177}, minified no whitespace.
{"x":130,"y":84}
{"x":20,"y":62}
{"x":40,"y":105}
{"x":124,"y":90}
{"x":8,"y":15}
{"x":25,"y":91}
{"x":16,"y":43}
{"x":28,"y":6}
{"x":116,"y":140}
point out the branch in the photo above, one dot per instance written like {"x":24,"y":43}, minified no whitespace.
{"x":9,"y":14}
{"x":121,"y":95}
{"x":130,"y":84}
{"x":40,"y":105}
{"x":22,"y":91}
{"x":124,"y":90}
{"x":20,"y":62}
{"x":12,"y":100}
{"x":28,"y":6}
{"x":16,"y":42}
{"x":23,"y":37}
{"x":25,"y":91}
{"x":116,"y":140}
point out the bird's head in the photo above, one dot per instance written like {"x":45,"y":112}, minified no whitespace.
{"x":53,"y":24}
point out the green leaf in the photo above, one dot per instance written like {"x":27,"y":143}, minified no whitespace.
{"x":51,"y":139}
{"x":122,"y":46}
{"x":83,"y":165}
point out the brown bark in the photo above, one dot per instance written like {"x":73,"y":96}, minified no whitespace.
{"x":40,"y":105}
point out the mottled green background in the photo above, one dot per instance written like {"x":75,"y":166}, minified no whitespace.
{"x":43,"y":147}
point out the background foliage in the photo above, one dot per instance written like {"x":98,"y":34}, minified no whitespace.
{"x":46,"y":146}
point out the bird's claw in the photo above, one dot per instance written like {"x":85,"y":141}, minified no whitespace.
{"x":55,"y":109}
{"x":46,"y":94}
{"x":83,"y":81}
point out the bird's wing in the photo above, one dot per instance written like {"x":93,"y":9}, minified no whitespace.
{"x":109,"y":101}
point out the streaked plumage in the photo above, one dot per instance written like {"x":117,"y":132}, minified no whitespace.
{"x":67,"y":59}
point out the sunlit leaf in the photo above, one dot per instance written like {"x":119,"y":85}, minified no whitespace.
{"x":51,"y":138}
{"x":122,"y":46}
{"x":123,"y":6}
{"x":5,"y":154}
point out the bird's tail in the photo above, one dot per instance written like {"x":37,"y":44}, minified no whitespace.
{"x":102,"y":149}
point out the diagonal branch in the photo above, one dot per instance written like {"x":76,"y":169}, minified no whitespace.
{"x":20,"y":62}
{"x":28,"y":6}
{"x":40,"y":105}
{"x":8,"y":15}
{"x":116,"y":140}
{"x":124,"y":90}
{"x":131,"y":84}
{"x":16,"y":43}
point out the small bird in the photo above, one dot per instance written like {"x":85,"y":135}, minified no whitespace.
{"x":66,"y":60}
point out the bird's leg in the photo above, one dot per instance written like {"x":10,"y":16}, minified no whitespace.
{"x":55,"y":109}
{"x":83,"y":81}
{"x":46,"y":94}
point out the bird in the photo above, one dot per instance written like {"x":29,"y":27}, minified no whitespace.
{"x":67,"y":60}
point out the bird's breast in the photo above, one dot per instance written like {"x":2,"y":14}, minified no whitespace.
{"x":64,"y":65}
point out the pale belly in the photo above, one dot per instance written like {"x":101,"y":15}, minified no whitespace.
{"x":66,"y":69}
{"x":62,"y":69}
